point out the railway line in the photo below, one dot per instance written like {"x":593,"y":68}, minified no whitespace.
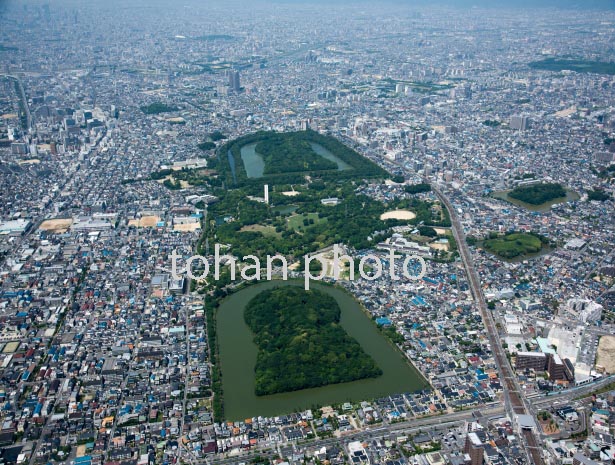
{"x":513,"y":398}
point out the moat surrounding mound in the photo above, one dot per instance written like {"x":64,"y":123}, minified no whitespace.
{"x":268,"y":157}
{"x":238,"y":355}
{"x":516,"y":244}
{"x":539,"y":197}
{"x":301,"y":343}
{"x":538,"y":194}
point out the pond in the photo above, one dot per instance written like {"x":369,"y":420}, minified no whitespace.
{"x":323,"y":152}
{"x":238,"y":359}
{"x":255,"y":165}
{"x":252,"y":161}
{"x":285,"y":209}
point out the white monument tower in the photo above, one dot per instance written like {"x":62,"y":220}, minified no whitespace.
{"x":267,"y":193}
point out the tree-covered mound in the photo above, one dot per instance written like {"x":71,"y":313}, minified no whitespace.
{"x":538,"y":194}
{"x":598,"y":194}
{"x":290,"y":161}
{"x":158,"y":107}
{"x":515,"y":244}
{"x":288,"y":154}
{"x":301,"y":343}
{"x":578,"y":65}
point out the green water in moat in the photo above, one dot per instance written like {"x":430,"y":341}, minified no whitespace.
{"x":255,"y":165}
{"x":238,"y":359}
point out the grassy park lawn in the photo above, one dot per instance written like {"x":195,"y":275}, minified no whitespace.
{"x":265,"y":229}
{"x":297,"y":222}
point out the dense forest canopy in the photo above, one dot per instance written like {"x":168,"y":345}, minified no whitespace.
{"x":301,"y":343}
{"x":158,"y":107}
{"x":288,"y":154}
{"x":598,"y":194}
{"x":538,"y":194}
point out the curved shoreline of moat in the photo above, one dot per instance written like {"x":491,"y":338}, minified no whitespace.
{"x":254,"y":164}
{"x":543,"y":207}
{"x":237,"y":353}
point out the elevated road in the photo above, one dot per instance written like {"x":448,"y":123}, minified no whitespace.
{"x":410,"y":426}
{"x":571,"y":394}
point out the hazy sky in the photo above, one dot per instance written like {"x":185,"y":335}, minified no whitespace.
{"x":581,"y":4}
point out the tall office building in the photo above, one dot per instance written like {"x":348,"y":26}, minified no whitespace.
{"x":233,"y":80}
{"x":531,"y":360}
{"x":474,"y":448}
{"x":519,"y":122}
{"x":555,"y":367}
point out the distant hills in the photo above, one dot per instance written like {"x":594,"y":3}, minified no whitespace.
{"x":572,"y":4}
{"x":576,"y":4}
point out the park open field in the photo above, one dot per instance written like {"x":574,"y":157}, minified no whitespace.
{"x":266,"y":230}
{"x":149,"y":221}
{"x":398,"y":215}
{"x":188,"y":227}
{"x":59,"y":225}
{"x":606,"y":353}
{"x":296,"y":222}
{"x":440,"y":246}
{"x":30,"y":161}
